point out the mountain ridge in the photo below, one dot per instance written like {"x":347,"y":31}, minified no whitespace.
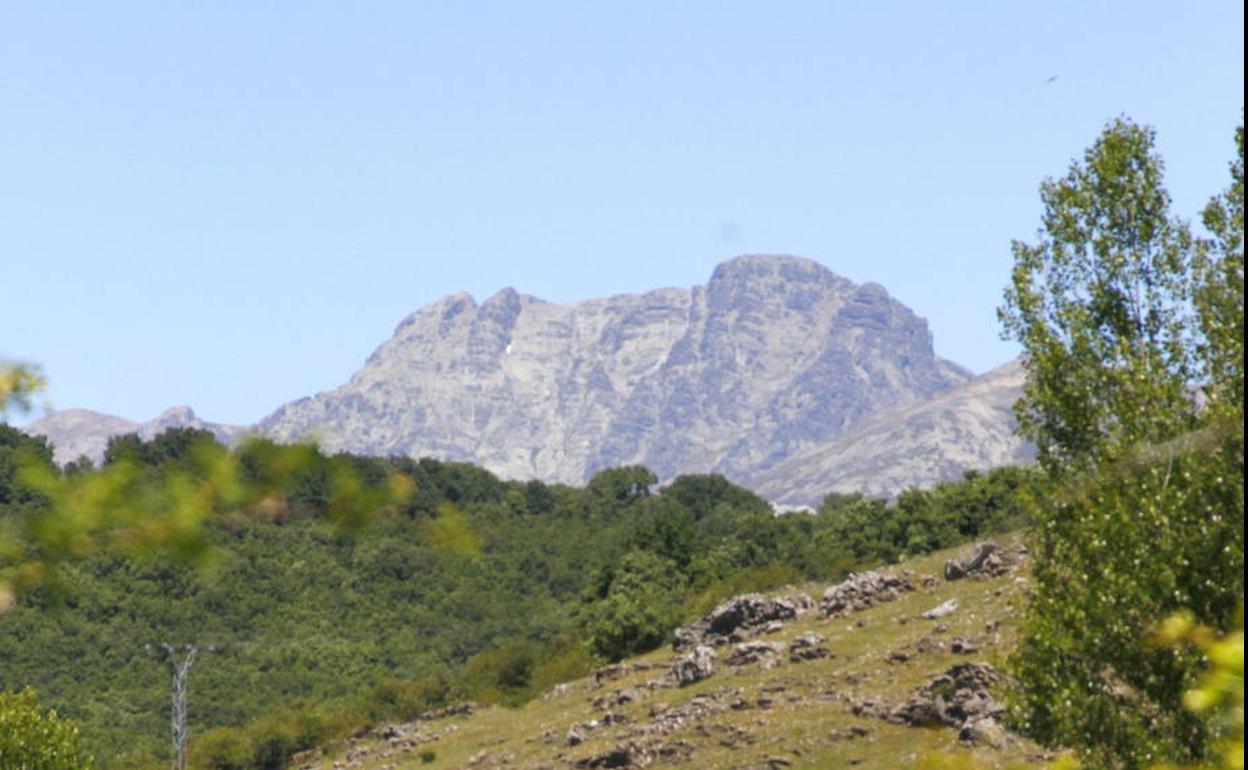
{"x":762,"y":368}
{"x":771,"y":355}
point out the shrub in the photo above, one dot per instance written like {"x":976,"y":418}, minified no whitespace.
{"x":34,"y":739}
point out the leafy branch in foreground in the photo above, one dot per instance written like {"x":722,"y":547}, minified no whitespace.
{"x":148,"y":507}
{"x":1220,"y":692}
{"x":18,"y":384}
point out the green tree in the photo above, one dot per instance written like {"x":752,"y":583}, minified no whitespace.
{"x":636,"y":605}
{"x":1122,"y":316}
{"x":622,"y":486}
{"x":1220,"y":292}
{"x":32,"y":738}
{"x":1101,"y":306}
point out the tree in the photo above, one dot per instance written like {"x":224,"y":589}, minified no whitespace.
{"x":622,"y":486}
{"x":1101,"y":305}
{"x":34,"y":739}
{"x":636,"y":607}
{"x":1219,"y":295}
{"x":1124,"y":317}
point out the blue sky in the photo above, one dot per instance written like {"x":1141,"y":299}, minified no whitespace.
{"x":229,"y":205}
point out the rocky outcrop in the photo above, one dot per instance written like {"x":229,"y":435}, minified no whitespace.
{"x":697,"y":665}
{"x":740,"y":618}
{"x":772,"y":357}
{"x":745,"y":653}
{"x":986,"y":561}
{"x":861,"y":591}
{"x":960,"y":698}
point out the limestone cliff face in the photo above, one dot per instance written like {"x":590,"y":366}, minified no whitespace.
{"x":772,"y":357}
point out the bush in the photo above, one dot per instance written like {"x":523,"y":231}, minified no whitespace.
{"x":402,"y":700}
{"x":34,"y":739}
{"x":501,"y":675}
{"x":1130,"y":545}
{"x":639,"y":607}
{"x":222,"y":748}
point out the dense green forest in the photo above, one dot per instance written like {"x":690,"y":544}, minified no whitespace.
{"x":470,"y":587}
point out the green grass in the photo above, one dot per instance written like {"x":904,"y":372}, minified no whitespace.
{"x":810,"y":700}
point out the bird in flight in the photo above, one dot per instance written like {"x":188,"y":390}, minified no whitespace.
{"x":1050,"y":79}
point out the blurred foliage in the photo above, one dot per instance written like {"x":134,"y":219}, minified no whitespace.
{"x":1219,"y":694}
{"x":19,"y":382}
{"x":153,"y":499}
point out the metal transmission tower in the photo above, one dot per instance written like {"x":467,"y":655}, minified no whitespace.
{"x":181,"y":672}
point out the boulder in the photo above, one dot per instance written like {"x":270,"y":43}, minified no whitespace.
{"x":941,"y":610}
{"x":741,"y":618}
{"x":861,"y":591}
{"x":746,"y":611}
{"x":697,"y":665}
{"x":986,"y":560}
{"x":807,"y":646}
{"x":752,"y":652}
{"x":959,"y":698}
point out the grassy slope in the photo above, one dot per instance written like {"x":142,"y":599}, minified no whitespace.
{"x":810,"y":700}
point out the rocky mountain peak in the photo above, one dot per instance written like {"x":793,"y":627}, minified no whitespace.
{"x":772,"y":355}
{"x":777,"y":372}
{"x":177,"y":416}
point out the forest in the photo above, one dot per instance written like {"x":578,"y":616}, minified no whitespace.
{"x":470,"y":588}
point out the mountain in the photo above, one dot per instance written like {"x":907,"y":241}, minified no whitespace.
{"x":915,"y":444}
{"x":777,"y":373}
{"x":77,"y":432}
{"x":772,"y":357}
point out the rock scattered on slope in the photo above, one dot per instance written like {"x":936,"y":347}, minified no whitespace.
{"x":960,"y":698}
{"x":807,"y":646}
{"x":697,"y":665}
{"x":740,"y":618}
{"x":861,"y":591}
{"x":941,"y":610}
{"x":986,"y":561}
{"x":578,"y":733}
{"x":745,"y":653}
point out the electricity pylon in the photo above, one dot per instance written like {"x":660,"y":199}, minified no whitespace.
{"x":181,"y":672}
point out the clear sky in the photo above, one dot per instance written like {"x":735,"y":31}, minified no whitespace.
{"x":230,"y":204}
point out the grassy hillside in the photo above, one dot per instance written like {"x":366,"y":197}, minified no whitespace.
{"x":795,"y":714}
